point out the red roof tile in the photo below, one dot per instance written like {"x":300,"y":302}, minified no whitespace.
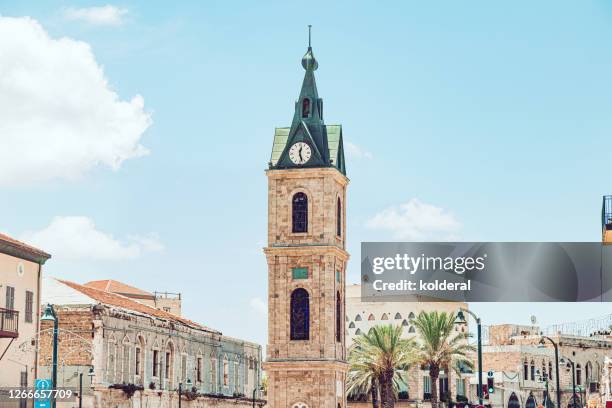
{"x":109,"y":285}
{"x":23,"y":246}
{"x":113,"y":299}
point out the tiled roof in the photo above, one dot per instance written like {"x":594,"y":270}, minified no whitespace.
{"x":35,"y":254}
{"x":109,"y":285}
{"x":281,"y":136}
{"x":113,"y":299}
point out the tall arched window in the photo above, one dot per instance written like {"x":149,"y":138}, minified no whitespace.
{"x":578,"y":374}
{"x":299,"y":214}
{"x":550,"y":373}
{"x":532,"y":371}
{"x":339,"y":219}
{"x":139,"y":362}
{"x":306,"y":108}
{"x":525,"y":370}
{"x":338,"y":318}
{"x":300,"y":315}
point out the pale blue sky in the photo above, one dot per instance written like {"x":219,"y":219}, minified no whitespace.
{"x":501,"y":115}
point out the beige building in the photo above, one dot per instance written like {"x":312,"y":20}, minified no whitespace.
{"x":306,"y":255}
{"x":20,"y":276}
{"x":361,"y":316}
{"x":518,"y":360}
{"x":168,"y":302}
{"x":128,"y":345}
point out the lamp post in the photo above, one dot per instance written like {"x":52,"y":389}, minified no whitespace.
{"x":180,"y":390}
{"x":570,"y":362}
{"x":254,"y":391}
{"x":462,"y":320}
{"x":49,"y":315}
{"x":556,"y":346}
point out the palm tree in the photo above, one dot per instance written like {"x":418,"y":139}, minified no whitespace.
{"x":440,"y":346}
{"x":377,"y":360}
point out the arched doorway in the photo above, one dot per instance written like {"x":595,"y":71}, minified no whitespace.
{"x":513,"y":401}
{"x":531,"y":402}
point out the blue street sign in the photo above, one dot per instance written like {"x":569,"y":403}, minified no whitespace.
{"x":42,"y":384}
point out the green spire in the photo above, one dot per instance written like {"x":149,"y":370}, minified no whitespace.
{"x":308,"y":125}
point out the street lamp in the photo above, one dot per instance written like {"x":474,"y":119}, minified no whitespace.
{"x":254,"y":391}
{"x":180,"y":390}
{"x":50,"y":316}
{"x":556,"y":346}
{"x":462,"y":320}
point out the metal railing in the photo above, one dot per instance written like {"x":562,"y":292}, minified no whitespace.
{"x":9,"y":323}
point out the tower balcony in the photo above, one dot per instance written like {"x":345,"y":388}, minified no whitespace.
{"x":606,"y":219}
{"x":9,"y":323}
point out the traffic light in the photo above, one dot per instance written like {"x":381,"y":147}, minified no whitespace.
{"x":490,"y":383}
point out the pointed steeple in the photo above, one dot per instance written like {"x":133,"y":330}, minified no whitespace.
{"x":308,"y":125}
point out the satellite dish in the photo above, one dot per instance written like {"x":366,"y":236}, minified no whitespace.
{"x":533,"y":319}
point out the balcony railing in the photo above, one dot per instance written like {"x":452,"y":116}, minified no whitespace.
{"x":9,"y":323}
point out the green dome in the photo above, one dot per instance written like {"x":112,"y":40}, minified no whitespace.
{"x":309,"y":61}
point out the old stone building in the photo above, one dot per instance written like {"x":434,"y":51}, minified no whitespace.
{"x":362,"y":315}
{"x":306,"y":258}
{"x":519,"y":359}
{"x":20,"y":277}
{"x":116,"y":342}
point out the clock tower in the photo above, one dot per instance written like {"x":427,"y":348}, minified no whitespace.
{"x":306,"y":353}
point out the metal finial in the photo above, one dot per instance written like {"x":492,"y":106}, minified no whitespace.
{"x":309,"y":27}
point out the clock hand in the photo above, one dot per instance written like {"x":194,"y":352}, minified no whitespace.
{"x":300,"y":153}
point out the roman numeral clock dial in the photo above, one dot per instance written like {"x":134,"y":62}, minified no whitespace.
{"x":300,"y":153}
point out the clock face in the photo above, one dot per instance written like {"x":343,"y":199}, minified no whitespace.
{"x":300,"y":153}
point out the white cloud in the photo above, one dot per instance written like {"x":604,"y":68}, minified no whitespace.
{"x":416,"y":220}
{"x":59,"y":117}
{"x":258,"y":305}
{"x":102,"y":15}
{"x":357,"y":152}
{"x":77,"y":238}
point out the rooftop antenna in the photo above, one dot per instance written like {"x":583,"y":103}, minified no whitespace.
{"x":309,"y":28}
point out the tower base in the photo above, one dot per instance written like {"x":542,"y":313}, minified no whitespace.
{"x":306,"y":384}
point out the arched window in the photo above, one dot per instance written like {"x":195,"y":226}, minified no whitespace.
{"x":139,"y":362}
{"x":339,"y":218}
{"x":357,"y":332}
{"x":299,"y":213}
{"x":405,"y":323}
{"x":578,"y":374}
{"x":411,"y":315}
{"x":588,"y":371}
{"x":300,"y":315}
{"x":351,"y":325}
{"x":525,"y":370}
{"x":398,"y":316}
{"x":338,"y":318}
{"x":169,"y":364}
{"x":371,"y":317}
{"x":306,"y":108}
{"x":358,"y":318}
{"x":550,"y":373}
{"x":384,"y":317}
{"x":411,"y":329}
{"x":532,"y":371}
